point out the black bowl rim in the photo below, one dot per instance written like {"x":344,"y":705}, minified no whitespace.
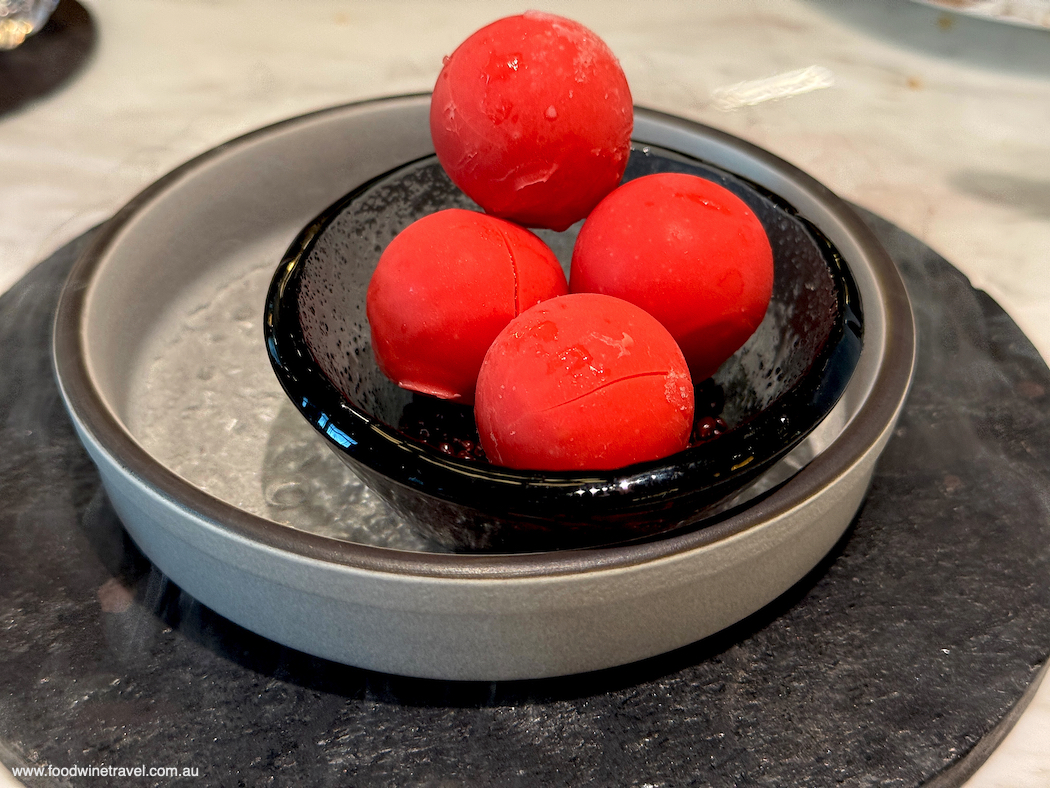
{"x":107,"y":434}
{"x":708,"y":472}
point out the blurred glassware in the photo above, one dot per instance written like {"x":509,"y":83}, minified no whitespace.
{"x":1027,"y":13}
{"x":19,"y":19}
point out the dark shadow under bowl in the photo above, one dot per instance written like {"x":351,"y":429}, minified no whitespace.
{"x":417,"y":452}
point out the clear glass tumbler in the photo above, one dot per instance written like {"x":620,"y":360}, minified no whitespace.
{"x":21,"y":18}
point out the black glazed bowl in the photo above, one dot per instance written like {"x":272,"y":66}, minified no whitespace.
{"x":415,"y":452}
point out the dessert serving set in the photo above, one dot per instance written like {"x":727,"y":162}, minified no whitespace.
{"x":212,"y":349}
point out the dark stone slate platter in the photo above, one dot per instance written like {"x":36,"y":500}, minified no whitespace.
{"x":900,"y":661}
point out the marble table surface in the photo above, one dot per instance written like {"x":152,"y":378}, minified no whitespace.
{"x":935,"y":121}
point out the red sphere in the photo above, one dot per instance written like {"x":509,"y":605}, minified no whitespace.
{"x":531,"y":117}
{"x":583,"y":382}
{"x":442,"y":291}
{"x":686,"y":250}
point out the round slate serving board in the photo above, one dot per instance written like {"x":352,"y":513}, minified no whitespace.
{"x":900,"y":661}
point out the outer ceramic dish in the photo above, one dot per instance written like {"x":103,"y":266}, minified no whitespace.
{"x":775,"y":390}
{"x":482,"y":617}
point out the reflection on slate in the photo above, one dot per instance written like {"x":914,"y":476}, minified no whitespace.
{"x":48,"y":59}
{"x":892,"y":661}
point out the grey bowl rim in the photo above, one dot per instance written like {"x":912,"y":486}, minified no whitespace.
{"x":87,"y":406}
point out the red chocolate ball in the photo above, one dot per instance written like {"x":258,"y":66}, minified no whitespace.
{"x":686,"y":250}
{"x":583,"y":382}
{"x":531,"y":117}
{"x":442,"y":291}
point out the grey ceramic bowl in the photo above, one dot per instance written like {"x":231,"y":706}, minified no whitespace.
{"x":181,"y":243}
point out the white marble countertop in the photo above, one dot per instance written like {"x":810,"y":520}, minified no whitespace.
{"x":937,"y":122}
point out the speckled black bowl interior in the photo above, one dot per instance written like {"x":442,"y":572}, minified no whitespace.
{"x":771,"y":394}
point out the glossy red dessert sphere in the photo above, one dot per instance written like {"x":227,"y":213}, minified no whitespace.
{"x":442,"y":291}
{"x":689,"y":252}
{"x":531,"y":116}
{"x":583,"y":382}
